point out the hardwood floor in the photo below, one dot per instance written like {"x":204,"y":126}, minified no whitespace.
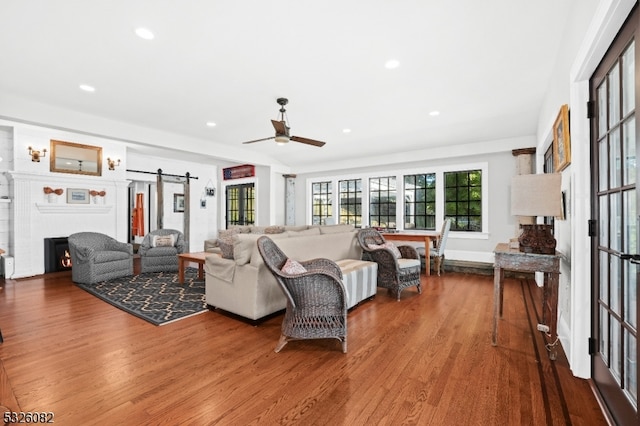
{"x":424,"y":360}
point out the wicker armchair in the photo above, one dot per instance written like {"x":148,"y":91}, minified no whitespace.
{"x":394,"y":273}
{"x":316,"y":299}
{"x":161,"y":258}
{"x":97,"y":257}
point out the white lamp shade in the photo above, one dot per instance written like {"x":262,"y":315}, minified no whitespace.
{"x":536,"y":195}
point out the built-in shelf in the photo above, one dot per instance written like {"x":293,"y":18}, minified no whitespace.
{"x":74,"y":208}
{"x":5,"y":200}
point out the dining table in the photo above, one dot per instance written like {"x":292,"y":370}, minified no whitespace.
{"x":423,"y":236}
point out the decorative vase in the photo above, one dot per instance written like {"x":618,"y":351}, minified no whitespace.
{"x":52,"y":198}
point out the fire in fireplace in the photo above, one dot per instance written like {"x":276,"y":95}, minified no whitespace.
{"x":56,"y":254}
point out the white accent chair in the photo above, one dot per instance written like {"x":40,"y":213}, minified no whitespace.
{"x":436,"y":254}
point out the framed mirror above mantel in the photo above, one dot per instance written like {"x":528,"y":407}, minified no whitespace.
{"x":74,"y":158}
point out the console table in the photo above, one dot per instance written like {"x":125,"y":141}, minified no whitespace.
{"x":512,"y":259}
{"x":426,"y":236}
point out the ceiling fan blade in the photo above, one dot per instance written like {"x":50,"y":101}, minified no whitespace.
{"x":307,"y":141}
{"x":281,"y":128}
{"x":260,"y":140}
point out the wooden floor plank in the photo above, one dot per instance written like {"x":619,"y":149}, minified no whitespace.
{"x":426,"y":359}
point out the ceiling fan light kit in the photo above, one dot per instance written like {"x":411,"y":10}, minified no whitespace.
{"x":282,"y":130}
{"x":281,"y":139}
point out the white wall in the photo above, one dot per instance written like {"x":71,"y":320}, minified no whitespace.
{"x":590,"y":29}
{"x":31,"y":217}
{"x":500,"y":167}
{"x":203,"y":220}
{"x":6,"y":153}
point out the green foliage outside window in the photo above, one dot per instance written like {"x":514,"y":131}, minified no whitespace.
{"x":350,"y":193}
{"x":463,"y":200}
{"x":420,"y":201}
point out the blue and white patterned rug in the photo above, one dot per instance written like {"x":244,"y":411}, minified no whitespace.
{"x":156,"y":297}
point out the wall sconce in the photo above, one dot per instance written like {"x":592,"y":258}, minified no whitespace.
{"x":37,"y":155}
{"x":113,"y":163}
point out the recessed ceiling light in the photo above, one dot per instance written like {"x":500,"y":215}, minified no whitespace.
{"x":87,"y":88}
{"x":434,"y":113}
{"x":211,"y":124}
{"x":346,"y":130}
{"x":144,"y":33}
{"x":391,"y":64}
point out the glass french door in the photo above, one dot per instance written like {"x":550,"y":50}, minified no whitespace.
{"x":615,"y":251}
{"x":240,"y":204}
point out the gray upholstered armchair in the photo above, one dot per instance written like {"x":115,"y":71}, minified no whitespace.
{"x":97,"y":257}
{"x":316,"y":296}
{"x":398,"y":267}
{"x":159,"y":250}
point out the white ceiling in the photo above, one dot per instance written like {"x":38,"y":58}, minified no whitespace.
{"x":485,"y":65}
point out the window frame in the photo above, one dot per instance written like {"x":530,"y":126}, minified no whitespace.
{"x":357,"y":218}
{"x":326,"y":193}
{"x":399,"y":174}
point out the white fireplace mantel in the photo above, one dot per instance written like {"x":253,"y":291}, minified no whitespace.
{"x":49,"y":208}
{"x":34,"y":218}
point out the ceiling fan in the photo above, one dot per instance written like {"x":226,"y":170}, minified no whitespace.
{"x":282,"y":130}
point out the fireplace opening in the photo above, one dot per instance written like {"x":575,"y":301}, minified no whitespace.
{"x":56,"y":255}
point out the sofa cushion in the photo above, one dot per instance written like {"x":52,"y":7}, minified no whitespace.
{"x":293,"y":267}
{"x":110,"y":256}
{"x":269,"y":230}
{"x":332,"y":229}
{"x":245,"y":246}
{"x":242,"y":229}
{"x":360,"y":279}
{"x":343,"y":245}
{"x":295,"y":227}
{"x":304,"y":232}
{"x":408,"y":263}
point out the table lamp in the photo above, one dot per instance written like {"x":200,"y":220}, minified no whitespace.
{"x":536,"y":195}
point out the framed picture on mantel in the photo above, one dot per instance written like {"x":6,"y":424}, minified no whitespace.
{"x":77,"y":196}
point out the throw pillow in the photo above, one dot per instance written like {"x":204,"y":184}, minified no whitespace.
{"x":292,"y":267}
{"x":163,"y":241}
{"x":225,"y":242}
{"x":274,"y":229}
{"x":226,"y":249}
{"x":258,"y":229}
{"x":388,"y":245}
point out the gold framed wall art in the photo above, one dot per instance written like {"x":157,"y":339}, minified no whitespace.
{"x":561,"y":140}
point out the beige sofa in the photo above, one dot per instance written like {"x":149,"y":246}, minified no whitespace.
{"x":245,"y":287}
{"x":212,"y":245}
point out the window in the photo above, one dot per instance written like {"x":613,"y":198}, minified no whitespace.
{"x":382,"y":202}
{"x":240,"y":204}
{"x":351,"y":201}
{"x":420,"y":201}
{"x":412,"y":199}
{"x":463,"y":200}
{"x":321,"y":207}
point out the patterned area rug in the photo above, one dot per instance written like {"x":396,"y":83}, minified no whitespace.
{"x":156,"y":297}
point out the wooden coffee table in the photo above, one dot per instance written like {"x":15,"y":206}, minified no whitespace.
{"x":184,"y":258}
